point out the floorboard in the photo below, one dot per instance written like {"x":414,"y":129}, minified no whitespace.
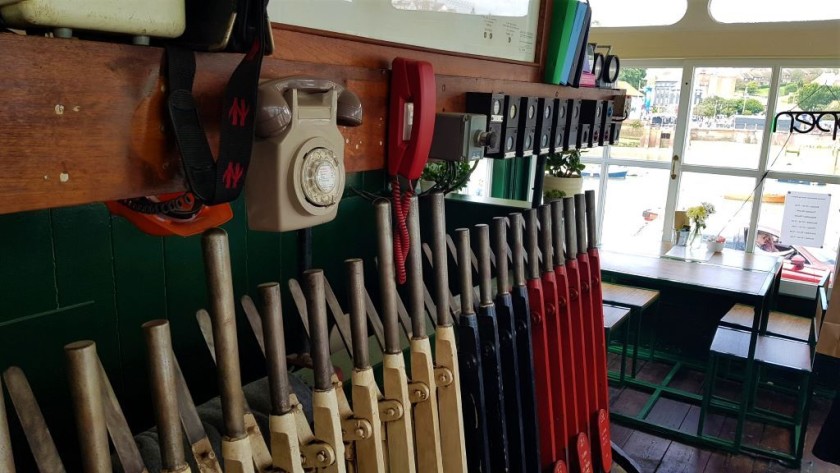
{"x":660,"y":455}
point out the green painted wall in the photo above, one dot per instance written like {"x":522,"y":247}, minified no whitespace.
{"x":78,"y":273}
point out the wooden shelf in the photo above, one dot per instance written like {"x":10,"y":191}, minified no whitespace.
{"x":84,"y":121}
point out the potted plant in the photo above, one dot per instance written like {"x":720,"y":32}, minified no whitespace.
{"x":446,"y":176}
{"x":562,"y":172}
{"x":553,"y":194}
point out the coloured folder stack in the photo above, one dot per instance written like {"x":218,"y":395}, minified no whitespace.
{"x":567,"y":43}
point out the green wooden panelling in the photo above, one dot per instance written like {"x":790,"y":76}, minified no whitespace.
{"x":140,"y":287}
{"x":510,"y":178}
{"x":186,"y":292}
{"x":27,"y":274}
{"x":35,"y":344}
{"x":500,"y":187}
{"x":84,"y":273}
{"x":519,"y":179}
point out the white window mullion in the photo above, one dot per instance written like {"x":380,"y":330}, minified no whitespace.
{"x":680,"y":138}
{"x":602,"y":192}
{"x":764,"y":158}
{"x":640,"y":164}
{"x":738,"y":172}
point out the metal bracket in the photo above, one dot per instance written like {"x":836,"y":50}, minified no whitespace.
{"x":390,"y":410}
{"x":353,"y":428}
{"x":317,"y":454}
{"x":443,"y":377}
{"x":418,"y":392}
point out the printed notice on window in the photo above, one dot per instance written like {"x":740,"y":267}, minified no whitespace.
{"x":805,"y":218}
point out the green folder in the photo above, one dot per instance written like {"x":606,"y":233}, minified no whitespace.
{"x":562,"y":20}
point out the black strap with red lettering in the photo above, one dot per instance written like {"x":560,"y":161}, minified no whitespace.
{"x":220,"y":180}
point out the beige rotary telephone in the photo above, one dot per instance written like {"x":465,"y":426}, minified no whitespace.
{"x":296,"y":177}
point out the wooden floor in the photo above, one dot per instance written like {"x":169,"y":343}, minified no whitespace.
{"x":656,"y":454}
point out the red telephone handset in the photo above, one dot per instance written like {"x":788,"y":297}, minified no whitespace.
{"x":411,"y":125}
{"x":412,"y":105}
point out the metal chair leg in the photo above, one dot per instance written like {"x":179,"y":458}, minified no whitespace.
{"x":638,"y":343}
{"x":711,"y":374}
{"x":624,"y":353}
{"x":805,"y":410}
{"x":747,"y":389}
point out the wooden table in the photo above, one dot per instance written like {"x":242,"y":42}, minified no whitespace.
{"x":738,"y":276}
{"x":745,"y":277}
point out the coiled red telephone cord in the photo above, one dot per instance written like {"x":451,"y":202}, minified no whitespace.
{"x":402,"y":241}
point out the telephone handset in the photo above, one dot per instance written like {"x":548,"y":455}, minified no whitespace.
{"x":411,"y":126}
{"x":297,"y":166}
{"x":274,"y":115}
{"x":412,"y":120}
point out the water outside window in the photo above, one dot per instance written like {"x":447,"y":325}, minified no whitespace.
{"x":634,"y":209}
{"x":815,"y":152}
{"x":648,"y":132}
{"x":730,"y":195}
{"x":728,"y":112}
{"x":592,"y":178}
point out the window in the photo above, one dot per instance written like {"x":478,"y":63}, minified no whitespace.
{"x":731,"y":197}
{"x":813,"y":153}
{"x":718,"y":124}
{"x":728,"y":112}
{"x":480,"y":180}
{"x":468,"y":7}
{"x":633,"y":175}
{"x":635,"y":207}
{"x":648,"y":132}
{"x":761,"y":11}
{"x":610,"y":13}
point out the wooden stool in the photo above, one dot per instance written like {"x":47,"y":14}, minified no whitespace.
{"x":780,"y":324}
{"x":637,"y":300}
{"x":770,"y":352}
{"x":614,"y":317}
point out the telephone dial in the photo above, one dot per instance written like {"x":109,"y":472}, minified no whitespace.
{"x":296,"y":177}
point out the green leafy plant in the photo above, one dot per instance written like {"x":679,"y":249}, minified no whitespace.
{"x":553,"y":194}
{"x":564,"y":164}
{"x":448,"y":176}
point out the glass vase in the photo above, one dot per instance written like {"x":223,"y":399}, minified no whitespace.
{"x":695,"y":238}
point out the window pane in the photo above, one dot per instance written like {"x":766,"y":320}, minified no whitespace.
{"x":760,"y":11}
{"x":648,"y":132}
{"x":815,"y":152}
{"x":591,"y":178}
{"x":634,"y":208}
{"x":802,"y":263}
{"x":727,"y":116}
{"x":637,"y":13}
{"x":731,"y":197}
{"x":480,"y":180}
{"x":467,"y":7}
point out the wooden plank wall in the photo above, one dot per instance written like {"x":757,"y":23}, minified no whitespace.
{"x":84,"y":121}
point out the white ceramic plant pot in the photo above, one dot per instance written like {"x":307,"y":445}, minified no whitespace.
{"x":568,"y":185}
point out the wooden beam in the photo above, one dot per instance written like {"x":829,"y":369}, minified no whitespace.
{"x":84,"y":121}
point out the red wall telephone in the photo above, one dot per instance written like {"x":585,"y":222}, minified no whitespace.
{"x":411,"y":125}
{"x":412,"y":117}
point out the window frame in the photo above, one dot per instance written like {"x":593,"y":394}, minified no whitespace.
{"x":760,"y":174}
